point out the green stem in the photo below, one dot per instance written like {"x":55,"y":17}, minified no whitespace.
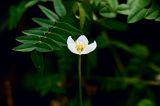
{"x":80,"y":80}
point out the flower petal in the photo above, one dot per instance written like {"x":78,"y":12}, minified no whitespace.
{"x":82,"y":39}
{"x":90,"y":48}
{"x":70,"y":40}
{"x":71,"y":45}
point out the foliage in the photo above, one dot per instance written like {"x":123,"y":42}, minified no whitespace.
{"x":74,"y":18}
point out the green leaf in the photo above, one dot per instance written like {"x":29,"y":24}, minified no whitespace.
{"x":31,"y":3}
{"x":88,"y":10}
{"x":71,"y":20}
{"x":69,"y":27}
{"x":137,"y":10}
{"x":51,"y":42}
{"x":137,"y":16}
{"x":153,"y":11}
{"x":51,"y":15}
{"x":133,"y":67}
{"x":145,"y":102}
{"x":43,"y":47}
{"x":43,"y":22}
{"x":27,"y":47}
{"x":123,"y":9}
{"x":82,"y":15}
{"x":33,"y":32}
{"x":121,"y":45}
{"x":61,"y":31}
{"x":44,"y":39}
{"x":113,"y":24}
{"x":13,"y":18}
{"x":38,"y":61}
{"x":113,"y":4}
{"x":15,"y":14}
{"x":59,"y":8}
{"x":158,"y":18}
{"x":129,"y":2}
{"x":35,"y":36}
{"x":43,"y":29}
{"x":74,"y":8}
{"x":140,"y":51}
{"x":152,"y":15}
{"x":58,"y":39}
{"x":154,"y":67}
{"x":137,"y":4}
{"x":107,"y":13}
{"x":109,"y":9}
{"x":28,"y":39}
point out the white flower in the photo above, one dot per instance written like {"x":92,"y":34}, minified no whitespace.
{"x":80,"y":46}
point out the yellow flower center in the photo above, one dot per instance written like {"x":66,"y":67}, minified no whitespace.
{"x":80,"y":47}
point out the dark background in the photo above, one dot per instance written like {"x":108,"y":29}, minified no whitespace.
{"x":14,"y":65}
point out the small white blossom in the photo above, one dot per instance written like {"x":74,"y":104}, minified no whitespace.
{"x":80,"y":46}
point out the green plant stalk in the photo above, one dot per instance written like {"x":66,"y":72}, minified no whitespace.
{"x":80,"y":80}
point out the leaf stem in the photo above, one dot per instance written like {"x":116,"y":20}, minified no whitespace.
{"x":80,"y":80}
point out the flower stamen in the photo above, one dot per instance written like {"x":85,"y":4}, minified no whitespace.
{"x":80,"y":47}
